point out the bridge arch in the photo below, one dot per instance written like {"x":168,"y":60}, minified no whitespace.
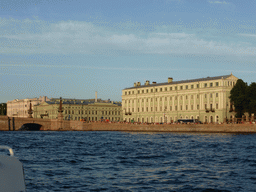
{"x":30,"y":127}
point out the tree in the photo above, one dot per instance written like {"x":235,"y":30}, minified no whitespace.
{"x":238,"y":97}
{"x":251,"y":98}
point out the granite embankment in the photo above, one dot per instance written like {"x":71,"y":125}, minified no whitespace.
{"x":13,"y":124}
{"x":204,"y":128}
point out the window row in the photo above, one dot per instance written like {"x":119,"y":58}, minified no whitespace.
{"x":171,"y":108}
{"x":210,"y":95}
{"x":181,"y":87}
{"x":92,"y":112}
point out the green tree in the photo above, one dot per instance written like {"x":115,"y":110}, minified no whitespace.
{"x":238,"y":97}
{"x":251,"y":98}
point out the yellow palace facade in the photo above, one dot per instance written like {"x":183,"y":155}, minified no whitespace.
{"x":204,"y":99}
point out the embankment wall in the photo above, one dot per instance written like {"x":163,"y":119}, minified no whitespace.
{"x":206,"y":128}
{"x":57,"y":125}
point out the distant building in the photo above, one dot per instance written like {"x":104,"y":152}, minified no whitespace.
{"x":205,"y":99}
{"x":78,"y":109}
{"x":20,"y":107}
{"x":3,"y":108}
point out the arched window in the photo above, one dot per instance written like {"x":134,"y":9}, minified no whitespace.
{"x":217,"y":118}
{"x":211,"y":121}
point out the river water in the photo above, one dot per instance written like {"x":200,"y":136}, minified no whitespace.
{"x":130,"y":161}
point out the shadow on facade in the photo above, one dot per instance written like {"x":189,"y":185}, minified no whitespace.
{"x":30,"y":127}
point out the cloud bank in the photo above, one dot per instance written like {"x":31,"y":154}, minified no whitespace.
{"x":78,"y":37}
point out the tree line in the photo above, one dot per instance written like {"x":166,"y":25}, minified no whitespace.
{"x":243,"y":97}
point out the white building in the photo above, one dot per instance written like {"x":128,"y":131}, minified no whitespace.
{"x":205,"y":99}
{"x":20,"y":107}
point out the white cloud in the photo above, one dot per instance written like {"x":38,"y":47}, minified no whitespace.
{"x":248,"y":35}
{"x":67,"y":37}
{"x":218,"y":2}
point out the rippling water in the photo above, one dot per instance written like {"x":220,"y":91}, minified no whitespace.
{"x":129,"y":161}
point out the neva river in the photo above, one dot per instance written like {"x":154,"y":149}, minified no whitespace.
{"x":130,"y":161}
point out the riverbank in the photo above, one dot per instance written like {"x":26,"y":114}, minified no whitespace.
{"x":203,"y":128}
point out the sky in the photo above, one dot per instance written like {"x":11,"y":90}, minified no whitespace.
{"x":72,"y":48}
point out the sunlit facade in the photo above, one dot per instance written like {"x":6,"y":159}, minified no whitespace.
{"x":205,"y":99}
{"x":78,"y":109}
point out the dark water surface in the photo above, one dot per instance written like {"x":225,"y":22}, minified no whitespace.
{"x":129,"y":161}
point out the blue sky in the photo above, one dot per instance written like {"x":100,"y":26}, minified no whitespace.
{"x":74,"y":48}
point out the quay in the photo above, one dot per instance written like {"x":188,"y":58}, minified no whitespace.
{"x":13,"y":124}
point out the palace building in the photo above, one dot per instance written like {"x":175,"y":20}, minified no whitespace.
{"x":20,"y":107}
{"x":80,"y":109}
{"x":204,"y":99}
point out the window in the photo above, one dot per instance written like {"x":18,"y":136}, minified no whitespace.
{"x":217,"y":105}
{"x":181,"y":107}
{"x":197,"y":85}
{"x":197,"y":106}
{"x":186,"y":86}
{"x":129,"y":92}
{"x":156,"y":108}
{"x":186,"y":107}
{"x":147,"y":109}
{"x":125,"y":93}
{"x":191,"y":107}
{"x":156,"y":99}
{"x":170,"y":108}
{"x":170,"y":88}
{"x":151,"y":108}
{"x":132,"y":92}
{"x":186,"y":97}
{"x":142,"y":109}
{"x":161,"y":89}
{"x":138,"y":92}
{"x":147,"y":99}
{"x":192,"y":86}
{"x":142,"y":91}
{"x":151,"y":90}
{"x":205,"y":106}
{"x":147,"y":90}
{"x":176,"y":108}
{"x":205,"y":85}
{"x":210,"y":95}
{"x":165,"y":89}
{"x":217,"y":95}
{"x":217,"y":84}
{"x":176,"y":88}
{"x":138,"y":109}
{"x":205,"y":96}
{"x":132,"y":110}
{"x":161,"y":108}
{"x":181,"y":87}
{"x":210,"y":84}
{"x":197,"y":96}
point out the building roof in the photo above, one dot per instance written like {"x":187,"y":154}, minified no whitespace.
{"x":182,"y":81}
{"x":82,"y":102}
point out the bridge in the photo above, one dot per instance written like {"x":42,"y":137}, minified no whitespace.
{"x":15,"y":123}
